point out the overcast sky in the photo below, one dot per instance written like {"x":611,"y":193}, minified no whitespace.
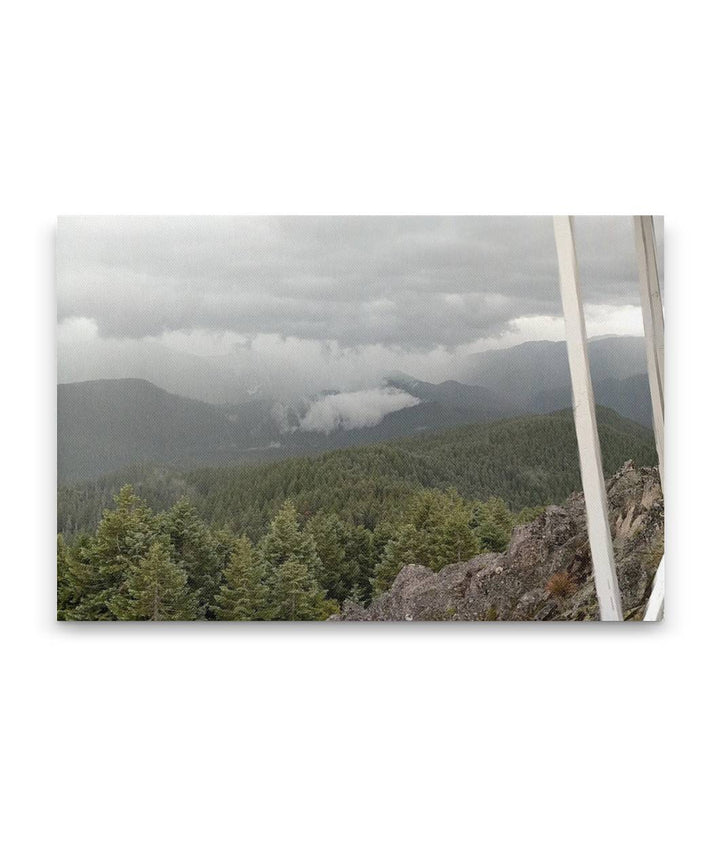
{"x":334,"y":299}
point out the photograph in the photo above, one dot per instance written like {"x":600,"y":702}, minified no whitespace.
{"x":343,"y":514}
{"x":360,"y":418}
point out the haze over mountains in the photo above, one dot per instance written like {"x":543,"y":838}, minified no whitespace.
{"x":528,"y":371}
{"x":107,"y":424}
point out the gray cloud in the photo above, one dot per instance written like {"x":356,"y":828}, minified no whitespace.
{"x":416,"y":283}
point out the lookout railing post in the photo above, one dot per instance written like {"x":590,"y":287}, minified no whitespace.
{"x":591,"y":471}
{"x":654,"y":327}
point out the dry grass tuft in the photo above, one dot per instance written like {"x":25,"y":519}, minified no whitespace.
{"x":561,"y":585}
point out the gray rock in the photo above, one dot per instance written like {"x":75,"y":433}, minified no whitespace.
{"x":546,"y":572}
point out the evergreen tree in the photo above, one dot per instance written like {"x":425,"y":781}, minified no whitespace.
{"x":453,"y":539}
{"x":156,"y":590}
{"x":195,"y":552}
{"x":337,"y":571}
{"x":296,"y":595}
{"x":443,"y":523}
{"x":360,"y":560}
{"x":224,"y":544}
{"x":494,"y":523}
{"x":291,"y":569}
{"x":356,"y":596}
{"x":285,"y":540}
{"x":68,"y":590}
{"x":123,"y":538}
{"x":243,"y":596}
{"x":381,"y":537}
{"x":437,"y":532}
{"x":399,"y":551}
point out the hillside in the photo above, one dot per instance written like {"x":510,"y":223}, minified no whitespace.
{"x":527,"y":461}
{"x":441,"y":557}
{"x":478,"y":401}
{"x":108,"y":424}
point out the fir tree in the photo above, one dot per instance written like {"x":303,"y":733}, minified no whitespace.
{"x":356,"y":596}
{"x":243,"y":596}
{"x":296,"y":595}
{"x":291,"y":568}
{"x":360,"y":560}
{"x":494,"y":524}
{"x":195,"y":552}
{"x":399,"y":551}
{"x":103,"y":563}
{"x":68,"y":590}
{"x":451,"y":538}
{"x":437,"y":532}
{"x":331,"y":540}
{"x":224,"y":544}
{"x":285,"y":540}
{"x":156,"y":590}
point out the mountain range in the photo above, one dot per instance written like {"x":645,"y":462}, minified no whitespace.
{"x":107,"y":424}
{"x":104,"y":425}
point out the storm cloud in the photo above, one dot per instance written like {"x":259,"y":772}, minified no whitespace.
{"x":342,"y":297}
{"x":409,"y":281}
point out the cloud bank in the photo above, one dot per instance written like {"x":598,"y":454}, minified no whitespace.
{"x":413,"y":282}
{"x":214,"y":307}
{"x":348,"y":410}
{"x":225,"y":367}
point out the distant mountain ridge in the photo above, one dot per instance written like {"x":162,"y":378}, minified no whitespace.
{"x":479,"y":401}
{"x":630,"y":397}
{"x":525,"y":370}
{"x":536,"y":376}
{"x":104,"y":425}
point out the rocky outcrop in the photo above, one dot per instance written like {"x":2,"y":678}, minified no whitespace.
{"x":546,"y":572}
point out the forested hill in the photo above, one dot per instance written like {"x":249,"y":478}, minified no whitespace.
{"x":528,"y":461}
{"x":105,"y":425}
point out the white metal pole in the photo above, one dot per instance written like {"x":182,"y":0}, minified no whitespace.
{"x":593,"y":480}
{"x":654,"y":326}
{"x":656,"y":602}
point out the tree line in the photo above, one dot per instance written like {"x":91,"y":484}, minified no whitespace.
{"x":141,"y":565}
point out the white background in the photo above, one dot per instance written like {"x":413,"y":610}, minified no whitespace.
{"x":368,"y":739}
